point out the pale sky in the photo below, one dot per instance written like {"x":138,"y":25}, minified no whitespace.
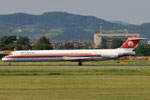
{"x":131,"y":11}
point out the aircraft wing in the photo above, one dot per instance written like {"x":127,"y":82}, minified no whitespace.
{"x":76,"y":58}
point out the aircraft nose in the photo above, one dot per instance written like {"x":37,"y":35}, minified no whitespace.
{"x":4,"y":59}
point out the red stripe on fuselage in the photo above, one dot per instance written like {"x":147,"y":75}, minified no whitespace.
{"x":22,"y":56}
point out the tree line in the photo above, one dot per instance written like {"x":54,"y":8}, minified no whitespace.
{"x":23,"y":43}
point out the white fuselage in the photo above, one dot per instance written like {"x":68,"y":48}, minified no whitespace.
{"x":66,"y":55}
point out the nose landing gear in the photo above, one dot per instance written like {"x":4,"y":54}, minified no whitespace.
{"x":80,"y":63}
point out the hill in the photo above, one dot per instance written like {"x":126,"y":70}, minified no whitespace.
{"x":62,"y":26}
{"x":120,"y":22}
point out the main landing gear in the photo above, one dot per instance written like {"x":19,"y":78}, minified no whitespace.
{"x":80,"y":63}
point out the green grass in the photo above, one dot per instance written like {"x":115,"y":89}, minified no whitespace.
{"x":90,"y":63}
{"x":74,"y":71}
{"x":74,"y":83}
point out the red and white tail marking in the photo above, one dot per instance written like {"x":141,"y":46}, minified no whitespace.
{"x":132,"y":42}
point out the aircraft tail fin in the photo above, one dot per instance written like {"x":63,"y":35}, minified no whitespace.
{"x":132,"y":42}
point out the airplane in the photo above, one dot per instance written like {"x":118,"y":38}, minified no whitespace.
{"x":74,"y":55}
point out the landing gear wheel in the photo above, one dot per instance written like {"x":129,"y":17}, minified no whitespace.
{"x":80,"y":64}
{"x":9,"y":63}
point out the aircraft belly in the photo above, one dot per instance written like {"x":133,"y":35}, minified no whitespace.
{"x":98,"y":59}
{"x":83,"y":58}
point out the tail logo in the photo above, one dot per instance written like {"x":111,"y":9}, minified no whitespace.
{"x":130,"y":43}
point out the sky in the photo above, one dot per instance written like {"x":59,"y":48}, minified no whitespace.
{"x":131,"y":11}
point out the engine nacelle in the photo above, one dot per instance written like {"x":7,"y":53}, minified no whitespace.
{"x":109,"y":55}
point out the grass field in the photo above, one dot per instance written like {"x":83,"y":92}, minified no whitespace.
{"x":74,"y":83}
{"x":90,"y":63}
